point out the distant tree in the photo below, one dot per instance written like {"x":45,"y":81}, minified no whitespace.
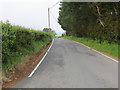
{"x":53,"y":33}
{"x":47,"y":29}
{"x":64,"y":34}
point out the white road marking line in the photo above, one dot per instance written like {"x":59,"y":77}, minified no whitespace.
{"x":41,"y":60}
{"x":98,"y":52}
{"x":83,"y":45}
{"x":106,"y":56}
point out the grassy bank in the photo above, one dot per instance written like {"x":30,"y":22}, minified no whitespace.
{"x":16,"y":58}
{"x":111,"y":49}
{"x":17,"y":42}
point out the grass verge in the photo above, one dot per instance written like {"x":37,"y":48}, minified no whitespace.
{"x":23,"y":63}
{"x":24,"y":68}
{"x":17,"y":58}
{"x":111,"y":49}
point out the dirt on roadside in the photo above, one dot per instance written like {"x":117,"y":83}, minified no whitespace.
{"x":23,"y":68}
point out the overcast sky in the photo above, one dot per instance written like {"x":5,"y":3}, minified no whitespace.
{"x":31,"y":13}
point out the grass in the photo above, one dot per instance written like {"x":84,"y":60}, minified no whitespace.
{"x":111,"y":49}
{"x":17,"y":58}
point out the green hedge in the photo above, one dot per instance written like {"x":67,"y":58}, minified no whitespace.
{"x":18,"y":41}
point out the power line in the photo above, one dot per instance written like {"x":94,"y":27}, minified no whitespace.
{"x":53,"y":16}
{"x":49,"y":13}
{"x":55,"y":4}
{"x":54,"y":19}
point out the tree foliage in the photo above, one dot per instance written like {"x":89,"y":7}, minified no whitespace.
{"x":96,"y":20}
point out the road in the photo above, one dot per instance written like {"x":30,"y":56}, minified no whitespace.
{"x":72,"y":65}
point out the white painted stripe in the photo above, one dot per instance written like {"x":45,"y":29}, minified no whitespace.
{"x":41,"y":60}
{"x":83,"y":45}
{"x":106,"y":56}
{"x":98,"y":52}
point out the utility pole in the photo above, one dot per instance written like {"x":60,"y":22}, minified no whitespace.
{"x":49,"y":15}
{"x":49,"y":18}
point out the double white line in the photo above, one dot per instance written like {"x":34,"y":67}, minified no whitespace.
{"x":41,"y":60}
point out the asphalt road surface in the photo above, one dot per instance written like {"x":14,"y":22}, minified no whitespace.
{"x":72,"y":65}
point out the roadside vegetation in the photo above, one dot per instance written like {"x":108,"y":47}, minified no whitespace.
{"x":19,"y":41}
{"x":92,"y":23}
{"x":17,"y":44}
{"x":105,"y":47}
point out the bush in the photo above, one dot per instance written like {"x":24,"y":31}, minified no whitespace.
{"x":18,"y":41}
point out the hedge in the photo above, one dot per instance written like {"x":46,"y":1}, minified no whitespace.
{"x":17,"y":39}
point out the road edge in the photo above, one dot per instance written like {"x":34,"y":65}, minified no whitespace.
{"x":96,"y":51}
{"x":33,"y":71}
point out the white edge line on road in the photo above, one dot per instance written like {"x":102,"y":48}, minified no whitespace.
{"x":98,"y":52}
{"x":41,"y":60}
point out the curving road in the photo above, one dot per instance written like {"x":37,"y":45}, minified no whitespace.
{"x":71,"y":65}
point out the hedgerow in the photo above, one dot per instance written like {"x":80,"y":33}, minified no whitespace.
{"x":18,"y":41}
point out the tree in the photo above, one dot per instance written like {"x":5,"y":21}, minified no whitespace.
{"x":96,"y":20}
{"x":47,"y":29}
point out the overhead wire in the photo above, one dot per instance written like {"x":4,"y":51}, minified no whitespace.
{"x":55,"y":4}
{"x":53,"y":16}
{"x":55,"y":19}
